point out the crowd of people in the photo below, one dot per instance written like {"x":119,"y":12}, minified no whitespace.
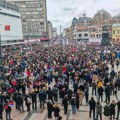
{"x":36,"y":74}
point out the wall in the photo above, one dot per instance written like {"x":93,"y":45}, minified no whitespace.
{"x":15,"y":32}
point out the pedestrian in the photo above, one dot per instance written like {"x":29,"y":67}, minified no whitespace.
{"x":118,"y":109}
{"x":107,"y":93}
{"x":99,"y":110}
{"x":92,"y":105}
{"x":86,"y":92}
{"x":77,"y":101}
{"x":1,"y":110}
{"x":50,"y":109}
{"x":8,"y":110}
{"x":42,"y":98}
{"x":112,"y":106}
{"x":73,"y":104}
{"x":100,"y":93}
{"x":50,"y":94}
{"x":34,"y":100}
{"x":94,"y":87}
{"x":107,"y":110}
{"x":28,"y":102}
{"x":55,"y":93}
{"x":65,"y":104}
{"x":20,"y":102}
{"x":56,"y":111}
{"x":81,"y":96}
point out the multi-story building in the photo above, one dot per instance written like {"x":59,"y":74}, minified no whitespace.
{"x":80,"y":28}
{"x":81,"y":33}
{"x":95,"y":34}
{"x":54,"y":32}
{"x":10,"y":24}
{"x":116,"y":33}
{"x":34,"y":17}
{"x":50,"y":30}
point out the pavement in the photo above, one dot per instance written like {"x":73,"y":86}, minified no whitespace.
{"x":81,"y":114}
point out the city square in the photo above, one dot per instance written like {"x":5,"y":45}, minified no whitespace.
{"x":59,"y":60}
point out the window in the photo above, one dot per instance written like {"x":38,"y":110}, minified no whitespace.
{"x":80,"y":35}
{"x":118,"y":32}
{"x":86,"y":35}
{"x":113,"y":31}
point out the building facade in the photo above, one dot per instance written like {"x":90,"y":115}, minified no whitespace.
{"x":50,"y":32}
{"x":10,"y":24}
{"x":34,"y":17}
{"x":116,"y":33}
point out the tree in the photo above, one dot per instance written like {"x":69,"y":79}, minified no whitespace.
{"x":102,"y":17}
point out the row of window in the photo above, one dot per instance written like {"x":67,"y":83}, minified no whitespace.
{"x":116,"y":31}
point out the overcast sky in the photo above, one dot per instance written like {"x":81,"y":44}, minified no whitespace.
{"x":63,"y":11}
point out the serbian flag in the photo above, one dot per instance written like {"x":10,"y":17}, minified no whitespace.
{"x":11,"y":103}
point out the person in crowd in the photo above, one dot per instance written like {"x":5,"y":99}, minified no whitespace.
{"x":107,"y":93}
{"x":118,"y":109}
{"x":73,"y":104}
{"x":77,"y":101}
{"x":56,"y":110}
{"x":81,"y":96}
{"x":50,"y":109}
{"x":100,"y":93}
{"x":55,"y":93}
{"x":112,"y":105}
{"x":65,"y":104}
{"x":34,"y":100}
{"x":86,"y":93}
{"x":42,"y":98}
{"x":94,"y":86}
{"x":50,"y":94}
{"x":107,"y":110}
{"x":1,"y":110}
{"x":92,"y":104}
{"x":28,"y":102}
{"x":8,"y":110}
{"x":20,"y":102}
{"x":99,"y":110}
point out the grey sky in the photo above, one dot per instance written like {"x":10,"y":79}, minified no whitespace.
{"x":62,"y":11}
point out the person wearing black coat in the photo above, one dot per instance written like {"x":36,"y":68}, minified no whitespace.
{"x":56,"y":111}
{"x":1,"y":110}
{"x":65,"y":104}
{"x":112,"y":105}
{"x":75,"y":87}
{"x":107,"y":93}
{"x":118,"y":109}
{"x":42,"y":98}
{"x":50,"y":109}
{"x":100,"y":93}
{"x":107,"y":110}
{"x":92,"y":105}
{"x":19,"y":100}
{"x":28,"y":102}
{"x":34,"y":100}
{"x":69,"y":93}
{"x":50,"y":94}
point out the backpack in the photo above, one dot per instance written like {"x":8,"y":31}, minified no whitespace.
{"x":29,"y":100}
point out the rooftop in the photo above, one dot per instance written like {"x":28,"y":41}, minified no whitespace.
{"x":8,"y":5}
